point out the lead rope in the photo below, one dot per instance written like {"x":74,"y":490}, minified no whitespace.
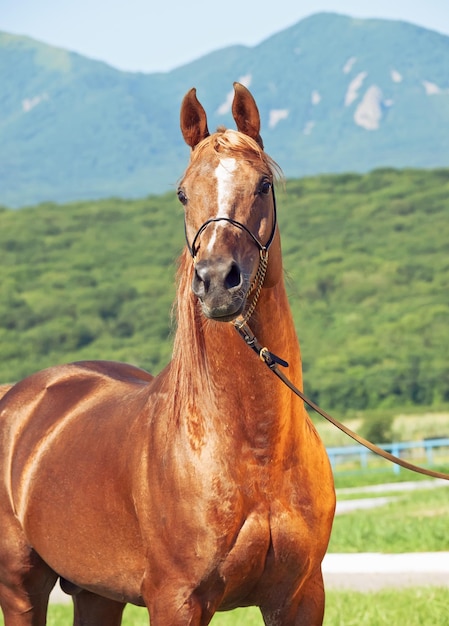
{"x":272,"y":361}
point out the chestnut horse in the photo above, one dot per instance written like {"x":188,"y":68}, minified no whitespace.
{"x":202,"y":489}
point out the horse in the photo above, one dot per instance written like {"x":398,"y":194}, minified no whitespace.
{"x":204,"y":488}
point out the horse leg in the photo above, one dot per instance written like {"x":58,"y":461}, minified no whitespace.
{"x":311,"y":608}
{"x":189,"y":613}
{"x":93,"y":610}
{"x":25,"y":581}
{"x":178,"y":606}
{"x":307,"y":609}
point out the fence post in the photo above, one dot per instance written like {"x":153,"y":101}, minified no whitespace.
{"x":429,"y":451}
{"x":364,"y":458}
{"x":395,"y":452}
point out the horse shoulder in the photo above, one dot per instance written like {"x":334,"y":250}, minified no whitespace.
{"x":95,"y":397}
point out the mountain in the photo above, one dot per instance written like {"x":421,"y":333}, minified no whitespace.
{"x":335,"y":94}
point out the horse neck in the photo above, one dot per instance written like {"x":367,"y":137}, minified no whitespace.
{"x":272,"y":324}
{"x":213,"y":370}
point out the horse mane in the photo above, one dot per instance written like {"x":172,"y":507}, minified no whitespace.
{"x":188,"y":368}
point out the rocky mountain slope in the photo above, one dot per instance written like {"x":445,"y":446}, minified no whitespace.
{"x":335,"y":94}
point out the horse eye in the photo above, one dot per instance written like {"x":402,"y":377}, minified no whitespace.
{"x":182,"y":197}
{"x":265,"y":187}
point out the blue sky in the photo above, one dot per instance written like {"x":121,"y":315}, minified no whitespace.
{"x":150,"y":36}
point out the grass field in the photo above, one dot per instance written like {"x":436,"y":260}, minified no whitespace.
{"x":380,"y":476}
{"x":411,"y":607}
{"x":416,"y":521}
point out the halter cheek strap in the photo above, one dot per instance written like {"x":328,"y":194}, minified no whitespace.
{"x":256,"y":286}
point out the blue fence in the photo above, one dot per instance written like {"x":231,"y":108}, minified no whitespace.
{"x":428,"y":451}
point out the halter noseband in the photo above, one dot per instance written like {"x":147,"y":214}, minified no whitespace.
{"x":193,"y":248}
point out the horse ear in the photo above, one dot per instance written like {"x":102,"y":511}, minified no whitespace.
{"x":193,"y":120}
{"x":246,"y":113}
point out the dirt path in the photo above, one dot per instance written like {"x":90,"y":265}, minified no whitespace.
{"x":370,"y":571}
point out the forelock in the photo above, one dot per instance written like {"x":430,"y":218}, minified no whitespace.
{"x":228,"y":142}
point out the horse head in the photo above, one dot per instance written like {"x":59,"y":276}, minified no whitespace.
{"x":230,"y":213}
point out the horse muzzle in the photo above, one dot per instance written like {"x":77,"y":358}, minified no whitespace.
{"x":221,"y":288}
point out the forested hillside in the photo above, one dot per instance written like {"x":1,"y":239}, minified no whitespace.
{"x":367,"y":262}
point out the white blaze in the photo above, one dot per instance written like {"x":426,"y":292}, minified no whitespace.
{"x":224,"y":175}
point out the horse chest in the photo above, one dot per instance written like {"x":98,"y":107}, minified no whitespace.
{"x":271,"y":546}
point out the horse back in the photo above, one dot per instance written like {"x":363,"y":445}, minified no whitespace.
{"x":87,"y":404}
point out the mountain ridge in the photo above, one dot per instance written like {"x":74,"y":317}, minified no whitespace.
{"x":335,"y":94}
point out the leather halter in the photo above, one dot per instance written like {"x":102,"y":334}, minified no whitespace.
{"x":263,"y":248}
{"x":256,"y":285}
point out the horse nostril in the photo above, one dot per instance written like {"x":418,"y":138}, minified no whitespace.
{"x":233,"y":278}
{"x":212,"y":277}
{"x":201,"y":279}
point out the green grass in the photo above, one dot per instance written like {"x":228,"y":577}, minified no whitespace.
{"x":379,"y":476}
{"x":415,"y":522}
{"x":411,"y":607}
